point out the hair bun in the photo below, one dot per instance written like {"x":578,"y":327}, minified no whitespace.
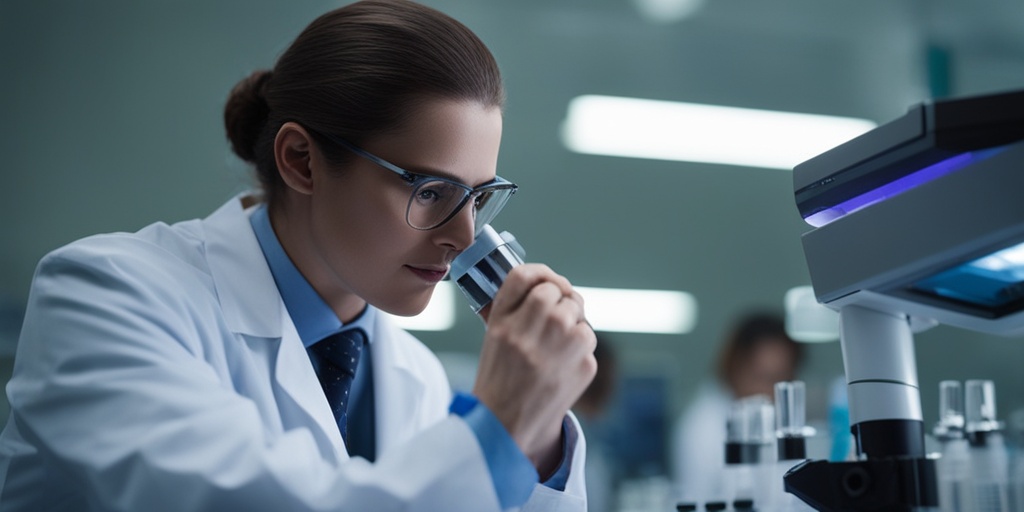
{"x":246,"y":113}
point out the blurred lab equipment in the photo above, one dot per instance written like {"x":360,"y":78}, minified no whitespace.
{"x":749,"y":452}
{"x":953,"y":468}
{"x":989,"y":460}
{"x":892,"y":191}
{"x":755,"y":354}
{"x":791,"y":432}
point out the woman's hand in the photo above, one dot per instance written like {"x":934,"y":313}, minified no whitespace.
{"x":537,"y":359}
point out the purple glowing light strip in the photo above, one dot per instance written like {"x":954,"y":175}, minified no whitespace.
{"x":893,"y":188}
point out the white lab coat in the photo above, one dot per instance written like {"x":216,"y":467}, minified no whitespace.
{"x":160,"y":371}
{"x":698,"y":445}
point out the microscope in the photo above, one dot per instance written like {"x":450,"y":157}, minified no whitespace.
{"x":916,"y":223}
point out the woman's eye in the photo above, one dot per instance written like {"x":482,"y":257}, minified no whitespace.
{"x":428,"y":195}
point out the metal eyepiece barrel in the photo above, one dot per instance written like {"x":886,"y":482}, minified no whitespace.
{"x":481,"y":269}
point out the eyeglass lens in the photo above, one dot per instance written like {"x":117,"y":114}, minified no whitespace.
{"x":434,"y":202}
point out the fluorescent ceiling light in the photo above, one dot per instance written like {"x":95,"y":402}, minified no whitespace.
{"x":621,"y":310}
{"x":649,"y":311}
{"x":439,"y":314}
{"x":666,"y":130}
{"x":668,"y":11}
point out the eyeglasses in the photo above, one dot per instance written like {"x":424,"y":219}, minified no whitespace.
{"x":434,"y":200}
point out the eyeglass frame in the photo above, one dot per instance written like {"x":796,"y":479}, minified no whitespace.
{"x":415,"y":179}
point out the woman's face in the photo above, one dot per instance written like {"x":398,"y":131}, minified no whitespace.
{"x":771,"y":360}
{"x":360,"y":242}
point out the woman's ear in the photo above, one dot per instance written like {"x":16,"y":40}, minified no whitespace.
{"x":292,"y":147}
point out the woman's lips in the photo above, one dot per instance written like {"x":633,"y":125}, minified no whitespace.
{"x":429,"y":274}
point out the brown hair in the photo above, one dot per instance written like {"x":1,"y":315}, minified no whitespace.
{"x":750,"y":331}
{"x":356,"y":72}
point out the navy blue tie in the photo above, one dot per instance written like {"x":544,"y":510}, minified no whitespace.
{"x":339,"y":357}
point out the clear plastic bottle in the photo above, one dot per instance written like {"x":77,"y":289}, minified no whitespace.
{"x":954,"y":464}
{"x":749,"y":451}
{"x":989,"y":467}
{"x":791,"y":433}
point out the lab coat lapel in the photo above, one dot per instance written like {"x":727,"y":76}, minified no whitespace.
{"x":253,"y":307}
{"x":245,"y":287}
{"x":398,"y":388}
{"x":294,"y":373}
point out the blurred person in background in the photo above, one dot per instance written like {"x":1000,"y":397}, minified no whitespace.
{"x":591,"y":409}
{"x":755,"y":355}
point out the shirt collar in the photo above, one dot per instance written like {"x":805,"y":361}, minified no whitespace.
{"x":314,"y":319}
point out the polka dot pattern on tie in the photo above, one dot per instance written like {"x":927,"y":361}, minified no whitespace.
{"x":339,"y":358}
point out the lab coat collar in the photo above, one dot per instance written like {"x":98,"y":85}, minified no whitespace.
{"x":252,"y":306}
{"x":245,"y":287}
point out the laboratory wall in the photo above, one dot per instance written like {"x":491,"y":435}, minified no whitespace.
{"x":110,"y":119}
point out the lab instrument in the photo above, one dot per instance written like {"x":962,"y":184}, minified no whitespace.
{"x":483,"y":266}
{"x":915,"y":223}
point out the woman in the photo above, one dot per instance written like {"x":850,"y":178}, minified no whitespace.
{"x":194,"y":367}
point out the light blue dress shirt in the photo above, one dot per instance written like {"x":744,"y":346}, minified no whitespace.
{"x":512,"y":473}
